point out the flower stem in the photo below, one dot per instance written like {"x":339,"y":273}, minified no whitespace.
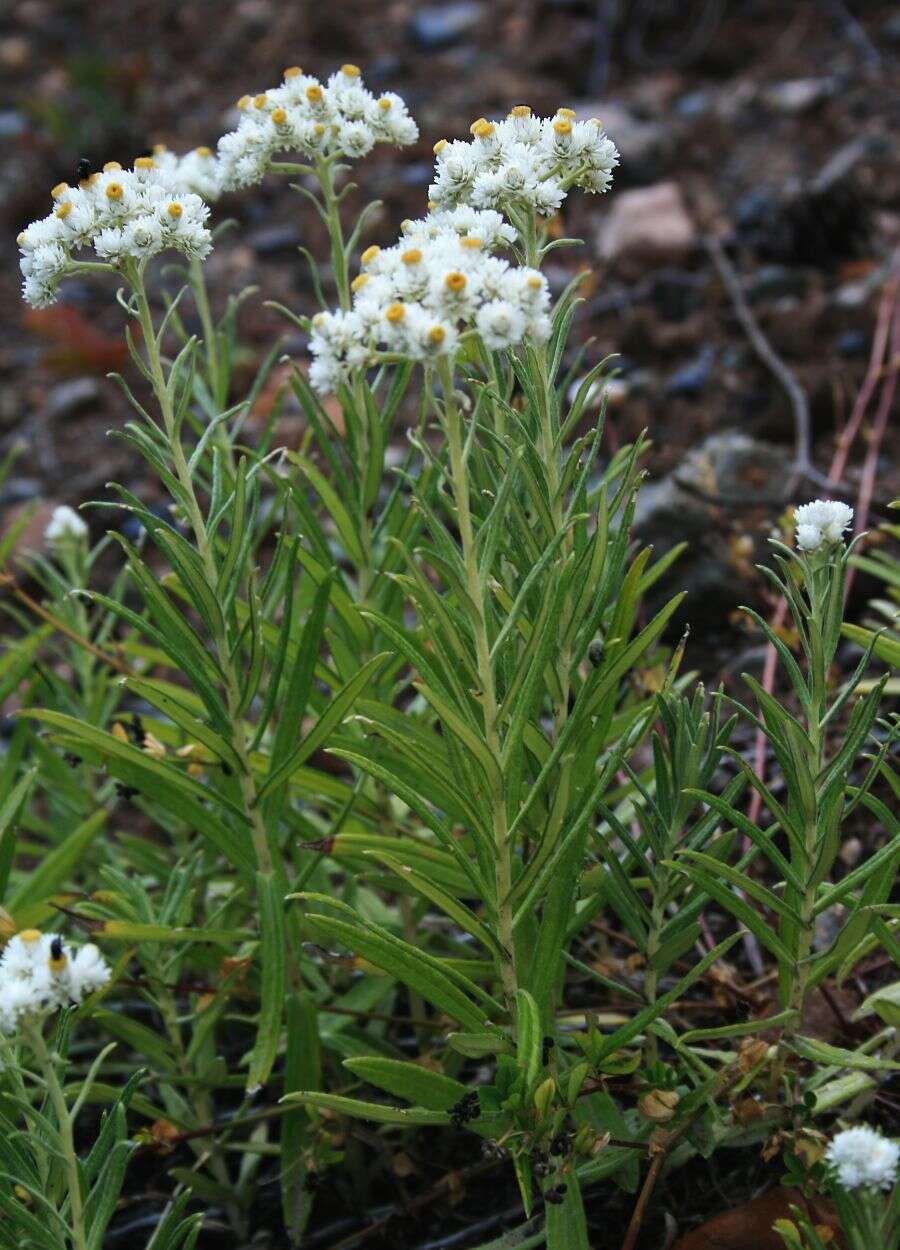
{"x":489,"y":704}
{"x":67,"y":1140}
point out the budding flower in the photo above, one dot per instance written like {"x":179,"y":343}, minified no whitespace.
{"x":65,"y":524}
{"x":862,"y":1157}
{"x":821,"y":523}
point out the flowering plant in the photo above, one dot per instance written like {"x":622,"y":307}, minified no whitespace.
{"x":405,"y":736}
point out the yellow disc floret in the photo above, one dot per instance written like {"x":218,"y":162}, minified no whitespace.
{"x":484,"y":129}
{"x":520,"y":110}
{"x":385,"y":104}
{"x":260,"y":101}
{"x":279,"y":116}
{"x":111,"y":166}
{"x":471,"y":241}
{"x":455,"y":281}
{"x":411,"y":256}
{"x":60,"y":189}
{"x":436,"y":335}
{"x":242,"y":102}
{"x":314,"y":93}
{"x":369,"y":254}
{"x":293,"y":71}
{"x":439,"y":146}
{"x":359,"y":282}
{"x":203,"y":151}
{"x":64,"y":209}
{"x":394,"y":313}
{"x":145,"y":162}
{"x":562,"y":126}
{"x":174,"y":210}
{"x":30,"y":935}
{"x":350,"y":71}
{"x":114,"y":190}
{"x":570,"y":113}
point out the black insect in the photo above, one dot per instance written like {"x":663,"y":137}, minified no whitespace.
{"x":83,"y":169}
{"x":555,"y":1196}
{"x":138,"y":732}
{"x":56,"y":948}
{"x":468,"y":1108}
{"x":125,"y":792}
{"x":72,"y":759}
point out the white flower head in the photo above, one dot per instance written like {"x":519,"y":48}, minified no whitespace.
{"x":862,"y":1157}
{"x":821,"y":523}
{"x":38,"y":974}
{"x":65,"y":525}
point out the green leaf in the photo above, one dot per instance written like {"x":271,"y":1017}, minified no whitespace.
{"x":270,"y":900}
{"x":566,"y":1223}
{"x":837,"y":1057}
{"x":30,"y":899}
{"x":377,"y":1112}
{"x":410,"y":1081}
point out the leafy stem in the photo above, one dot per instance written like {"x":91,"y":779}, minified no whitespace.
{"x":57,"y":1098}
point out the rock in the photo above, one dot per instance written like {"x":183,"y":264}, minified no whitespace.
{"x":648,"y":226}
{"x":691,"y":379}
{"x":721,"y":491}
{"x":441,"y":25}
{"x":776,"y":282}
{"x":854,"y":343}
{"x":68,"y":398}
{"x":796,"y":95}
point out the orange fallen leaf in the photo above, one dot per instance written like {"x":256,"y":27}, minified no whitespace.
{"x":78,"y":347}
{"x":749,"y":1227}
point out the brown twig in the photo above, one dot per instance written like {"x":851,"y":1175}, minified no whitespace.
{"x":802,"y":466}
{"x":7,"y":580}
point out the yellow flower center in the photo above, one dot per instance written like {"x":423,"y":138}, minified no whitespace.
{"x":175,"y":210}
{"x":204,"y":151}
{"x":385,"y":104}
{"x":473,"y":129}
{"x":471,"y":241}
{"x":359,"y":282}
{"x":159,"y":149}
{"x":114,"y":191}
{"x":279,"y":117}
{"x":436,"y":335}
{"x":394,"y":313}
{"x":145,"y":162}
{"x":562,"y":127}
{"x":570,"y":113}
{"x":63,"y":211}
{"x":350,"y":71}
{"x":369,"y":254}
{"x":535,"y":283}
{"x":439,"y":146}
{"x":314,"y":93}
{"x":293,"y":71}
{"x":455,"y":281}
{"x":259,"y":102}
{"x":60,"y":189}
{"x":111,"y":166}
{"x":432,"y":205}
{"x":411,"y":256}
{"x":30,"y":935}
{"x":319,"y":129}
{"x":242,"y":102}
{"x":520,"y":110}
{"x":484,"y":130}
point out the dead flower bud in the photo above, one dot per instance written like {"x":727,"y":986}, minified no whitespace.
{"x":659,"y":1105}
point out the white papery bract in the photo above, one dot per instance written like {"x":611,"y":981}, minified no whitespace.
{"x":862,"y":1157}
{"x":39,"y":974}
{"x":119,"y":214}
{"x":523,"y":162}
{"x":414,"y":299}
{"x":340,"y":117}
{"x":821,"y":523}
{"x":65,"y":525}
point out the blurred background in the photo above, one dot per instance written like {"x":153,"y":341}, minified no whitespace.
{"x":769,"y":126}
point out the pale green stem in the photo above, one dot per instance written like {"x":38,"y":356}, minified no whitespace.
{"x":204,"y":547}
{"x":66,"y":1137}
{"x":489,"y":705}
{"x":210,"y":341}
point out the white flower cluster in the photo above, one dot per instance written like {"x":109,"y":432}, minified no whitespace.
{"x":524,"y":161}
{"x":38,"y":974}
{"x":196,"y":173}
{"x":118,"y":212}
{"x":821,"y":523}
{"x":861,"y":1156}
{"x":412,"y":299}
{"x":339,"y":117}
{"x":65,"y":524}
